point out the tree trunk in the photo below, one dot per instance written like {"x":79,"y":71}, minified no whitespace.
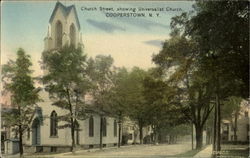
{"x":199,"y":136}
{"x":119,"y":134}
{"x":235,"y":127}
{"x":72,"y":122}
{"x":215,"y":131}
{"x":20,"y":133}
{"x":192,"y":135}
{"x":155,"y":136}
{"x":20,"y":140}
{"x":101,"y":131}
{"x":171,"y":139}
{"x":218,"y":123}
{"x":208,"y":137}
{"x":72,"y":134}
{"x":141,"y":132}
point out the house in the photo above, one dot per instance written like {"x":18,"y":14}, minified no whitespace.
{"x":242,"y":128}
{"x":9,"y":136}
{"x":131,"y":134}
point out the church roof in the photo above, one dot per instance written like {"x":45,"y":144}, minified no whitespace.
{"x":66,"y":11}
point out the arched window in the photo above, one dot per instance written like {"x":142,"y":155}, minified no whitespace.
{"x":115,"y":128}
{"x":36,"y":133}
{"x":91,"y":126}
{"x":104,"y":129}
{"x":59,"y":32}
{"x":72,"y":35}
{"x":53,"y":124}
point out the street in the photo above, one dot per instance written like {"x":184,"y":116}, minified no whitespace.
{"x":133,"y":151}
{"x":138,"y":151}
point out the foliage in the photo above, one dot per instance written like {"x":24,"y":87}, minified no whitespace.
{"x":65,"y":80}
{"x":211,"y":26}
{"x":118,"y":94}
{"x":162,"y":113}
{"x":138,"y":107}
{"x":231,"y":105}
{"x":65,"y":77}
{"x":18,"y":82}
{"x":177,"y":130}
{"x":135,"y":98}
{"x":99,"y":71}
{"x":209,"y":56}
{"x":125,"y":97}
{"x":193,"y":89}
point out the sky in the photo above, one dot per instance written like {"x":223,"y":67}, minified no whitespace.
{"x":131,"y":41}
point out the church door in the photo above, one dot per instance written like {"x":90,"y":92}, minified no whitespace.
{"x":36,"y":132}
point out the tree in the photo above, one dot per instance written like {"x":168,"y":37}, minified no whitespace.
{"x":136,"y":99}
{"x":100,"y":74}
{"x":178,"y":130}
{"x":65,"y":80}
{"x":209,"y":128}
{"x":211,"y":26}
{"x":193,"y":86}
{"x":24,"y":95}
{"x":117,"y":97}
{"x":161,"y":107}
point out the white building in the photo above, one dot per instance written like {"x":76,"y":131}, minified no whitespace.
{"x":242,"y":128}
{"x":44,"y":134}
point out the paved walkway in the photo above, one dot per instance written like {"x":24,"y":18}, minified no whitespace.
{"x":205,"y":153}
{"x":137,"y":151}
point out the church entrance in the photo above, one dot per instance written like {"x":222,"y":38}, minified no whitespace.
{"x":36,"y":132}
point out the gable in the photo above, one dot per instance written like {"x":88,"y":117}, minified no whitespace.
{"x":65,"y":11}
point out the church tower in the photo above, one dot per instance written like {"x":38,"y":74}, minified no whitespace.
{"x":63,"y":29}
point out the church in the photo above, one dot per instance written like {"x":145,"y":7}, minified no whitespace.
{"x":44,"y":134}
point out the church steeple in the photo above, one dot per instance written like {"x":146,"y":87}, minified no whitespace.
{"x":48,"y":32}
{"x":64,"y":27}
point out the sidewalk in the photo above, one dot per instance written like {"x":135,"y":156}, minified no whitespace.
{"x":77,"y":152}
{"x":205,"y":153}
{"x":132,"y":151}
